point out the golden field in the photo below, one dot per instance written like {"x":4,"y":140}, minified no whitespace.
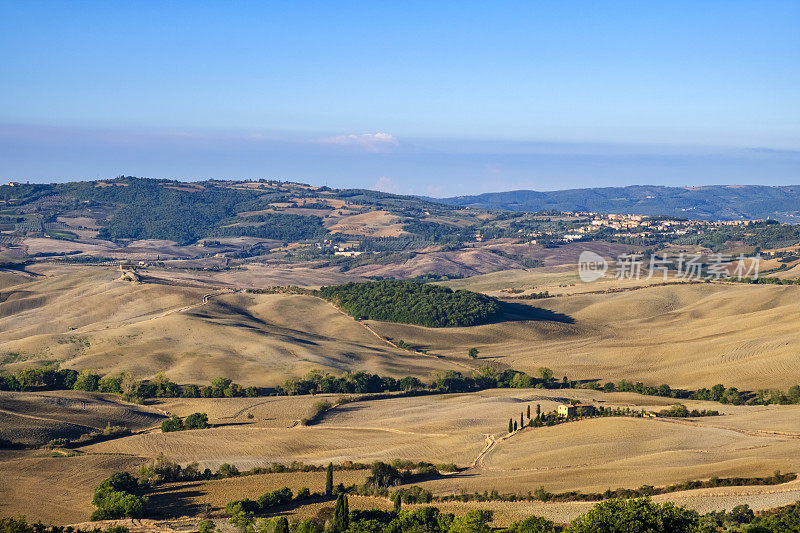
{"x":468,"y":429}
{"x":195,"y":326}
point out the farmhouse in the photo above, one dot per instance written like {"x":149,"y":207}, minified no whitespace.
{"x":582,"y":409}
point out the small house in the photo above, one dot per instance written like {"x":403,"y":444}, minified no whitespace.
{"x":579,"y":409}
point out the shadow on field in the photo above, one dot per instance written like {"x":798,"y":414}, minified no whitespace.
{"x":517,"y":312}
{"x":176,"y":499}
{"x":228,"y":424}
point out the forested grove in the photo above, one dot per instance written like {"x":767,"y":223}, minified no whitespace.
{"x":278,"y":226}
{"x":411,"y":302}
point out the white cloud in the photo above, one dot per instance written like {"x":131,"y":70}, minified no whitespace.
{"x":371,"y":142}
{"x":385,"y":184}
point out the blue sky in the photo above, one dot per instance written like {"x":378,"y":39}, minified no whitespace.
{"x":437,"y":98}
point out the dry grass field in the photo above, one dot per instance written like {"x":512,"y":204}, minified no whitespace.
{"x":195,"y":326}
{"x":467,"y":429}
{"x":373,"y":223}
{"x":86,"y":318}
{"x":590,"y":455}
{"x":55,"y":490}
{"x":686,"y":335}
{"x":35,"y":418}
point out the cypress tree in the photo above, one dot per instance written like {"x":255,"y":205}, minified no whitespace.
{"x":510,"y":425}
{"x":538,"y":409}
{"x":341,"y":513}
{"x":398,"y":502}
{"x":521,"y":421}
{"x":529,"y":412}
{"x":515,"y":425}
{"x":329,"y":480}
{"x":280,"y":525}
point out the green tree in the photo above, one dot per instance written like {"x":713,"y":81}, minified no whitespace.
{"x":383,"y":475}
{"x":533,"y":524}
{"x":197,"y":421}
{"x":510,"y":425}
{"x":794,"y":394}
{"x":397,"y":499}
{"x":279,"y":524}
{"x":785,"y":521}
{"x":636,"y":516}
{"x":206,"y":526}
{"x":114,"y":498}
{"x":475,"y":521}
{"x":227,"y":470}
{"x":529,"y":412}
{"x":87,"y":381}
{"x":546,"y":373}
{"x":308,"y":526}
{"x":329,"y":480}
{"x":242,"y":519}
{"x":341,"y":514}
{"x":173,"y":423}
{"x":473,"y":353}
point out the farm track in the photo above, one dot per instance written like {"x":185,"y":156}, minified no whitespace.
{"x":148,"y":317}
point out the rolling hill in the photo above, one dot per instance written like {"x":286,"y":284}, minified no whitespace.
{"x":718,"y":202}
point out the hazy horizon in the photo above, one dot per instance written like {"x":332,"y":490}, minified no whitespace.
{"x":430,"y":99}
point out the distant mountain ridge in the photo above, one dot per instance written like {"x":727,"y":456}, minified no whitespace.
{"x":715,"y":202}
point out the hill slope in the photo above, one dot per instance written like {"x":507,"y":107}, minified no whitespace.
{"x":719,"y":202}
{"x":684,"y":335}
{"x":84,"y":318}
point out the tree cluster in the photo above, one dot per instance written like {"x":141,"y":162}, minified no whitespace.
{"x":116,"y":497}
{"x":411,"y":302}
{"x":193,"y":421}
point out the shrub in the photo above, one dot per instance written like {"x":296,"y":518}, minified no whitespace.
{"x":238,"y":507}
{"x":475,"y":521}
{"x":227,"y":470}
{"x":677,"y":410}
{"x":160,"y":470}
{"x":114,"y":499}
{"x":308,"y":526}
{"x":197,"y":421}
{"x":383,"y":475}
{"x":636,"y":515}
{"x":275,"y":498}
{"x":173,"y":423}
{"x":191,"y":391}
{"x":533,"y":524}
{"x":205,"y":526}
{"x":87,"y":381}
{"x":317,"y":410}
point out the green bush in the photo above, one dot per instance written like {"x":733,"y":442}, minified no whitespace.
{"x":205,"y":526}
{"x":197,"y":421}
{"x":114,"y":499}
{"x":173,"y":423}
{"x":533,"y":524}
{"x":640,"y":515}
{"x":275,"y":498}
{"x":237,"y":507}
{"x":227,"y":470}
{"x":87,"y":381}
{"x":475,"y":521}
